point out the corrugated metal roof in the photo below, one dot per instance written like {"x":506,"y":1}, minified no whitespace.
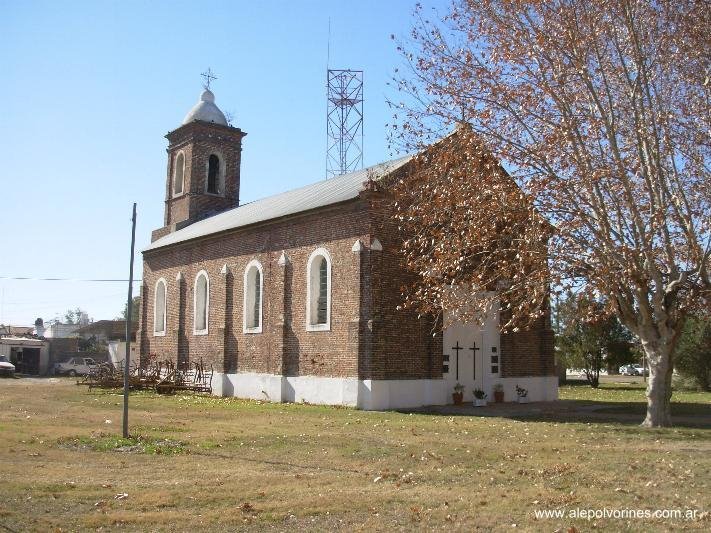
{"x":320,"y":194}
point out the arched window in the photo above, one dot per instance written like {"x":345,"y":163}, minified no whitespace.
{"x":159,"y":309}
{"x":213,"y":174}
{"x":201,"y":303}
{"x":178,"y":174}
{"x":253,"y":292}
{"x":318,"y":287}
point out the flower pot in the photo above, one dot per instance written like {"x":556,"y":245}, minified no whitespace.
{"x":498,"y":396}
{"x":457,"y":398}
{"x":479,"y":403}
{"x":523,"y":399}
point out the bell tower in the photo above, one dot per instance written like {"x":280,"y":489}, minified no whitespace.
{"x":203,"y":174}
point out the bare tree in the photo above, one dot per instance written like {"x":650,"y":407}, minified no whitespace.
{"x":600,"y":111}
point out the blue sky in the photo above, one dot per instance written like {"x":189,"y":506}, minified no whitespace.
{"x":90,"y":89}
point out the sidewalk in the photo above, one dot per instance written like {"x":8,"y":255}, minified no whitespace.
{"x":507,"y":409}
{"x":576,"y":411}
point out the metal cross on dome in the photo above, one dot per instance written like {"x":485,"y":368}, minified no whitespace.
{"x":209,"y":76}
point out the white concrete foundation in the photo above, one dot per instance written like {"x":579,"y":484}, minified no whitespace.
{"x":370,"y":395}
{"x":540,"y":388}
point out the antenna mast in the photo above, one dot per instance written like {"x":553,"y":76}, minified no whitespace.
{"x":344,"y":121}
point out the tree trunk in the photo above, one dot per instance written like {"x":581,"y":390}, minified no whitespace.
{"x":659,"y":387}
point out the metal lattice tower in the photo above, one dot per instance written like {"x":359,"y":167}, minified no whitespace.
{"x":344,"y":122}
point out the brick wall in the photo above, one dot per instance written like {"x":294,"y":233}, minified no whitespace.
{"x":529,"y":352}
{"x":404,"y":346}
{"x":284,"y":346}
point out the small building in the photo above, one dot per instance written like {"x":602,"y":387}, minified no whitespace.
{"x":107,"y":330}
{"x":30,"y":355}
{"x":15,"y":330}
{"x":57,"y":330}
{"x":117,"y":353}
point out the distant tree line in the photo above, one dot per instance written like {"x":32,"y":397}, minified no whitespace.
{"x":75,"y":316}
{"x":590,"y":340}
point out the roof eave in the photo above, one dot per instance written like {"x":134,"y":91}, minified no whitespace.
{"x":266,"y":222}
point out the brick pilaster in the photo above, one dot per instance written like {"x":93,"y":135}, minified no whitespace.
{"x":360,"y":327}
{"x":278,"y":321}
{"x":142,"y":333}
{"x":179,"y":332}
{"x":222,"y":300}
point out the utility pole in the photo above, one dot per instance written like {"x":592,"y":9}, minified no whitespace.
{"x":129,"y":309}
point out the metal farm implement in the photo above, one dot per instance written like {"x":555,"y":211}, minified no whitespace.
{"x":162,"y":376}
{"x":105,"y":376}
{"x":195,"y":378}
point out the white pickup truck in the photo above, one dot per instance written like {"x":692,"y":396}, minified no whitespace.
{"x":76,"y":366}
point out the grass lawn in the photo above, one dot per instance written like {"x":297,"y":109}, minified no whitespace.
{"x":200,"y":463}
{"x":688,"y":407}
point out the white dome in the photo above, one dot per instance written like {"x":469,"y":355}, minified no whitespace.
{"x":206,"y":110}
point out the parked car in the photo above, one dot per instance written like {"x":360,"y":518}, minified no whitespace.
{"x":641,"y":371}
{"x":627,"y":370}
{"x":6,"y":367}
{"x":634,"y":370}
{"x":76,"y":366}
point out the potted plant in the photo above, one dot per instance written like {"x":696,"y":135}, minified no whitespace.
{"x":498,"y":393}
{"x":479,"y":398}
{"x":521,"y":394}
{"x":458,"y":394}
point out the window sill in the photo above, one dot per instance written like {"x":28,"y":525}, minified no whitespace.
{"x":199,"y":332}
{"x":252,"y":331}
{"x":178,"y":195}
{"x":216,"y":194}
{"x":318,"y":327}
{"x":159,"y":333}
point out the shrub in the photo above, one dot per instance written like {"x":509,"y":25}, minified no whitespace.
{"x":693,"y":354}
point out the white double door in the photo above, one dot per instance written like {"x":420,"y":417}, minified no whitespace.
{"x":472,"y":356}
{"x":463,"y":361}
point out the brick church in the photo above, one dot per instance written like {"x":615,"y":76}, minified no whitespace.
{"x":294,"y":297}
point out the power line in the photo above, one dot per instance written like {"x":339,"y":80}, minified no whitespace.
{"x":34,"y":304}
{"x":68,"y":279}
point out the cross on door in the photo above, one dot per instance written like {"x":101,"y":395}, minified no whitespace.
{"x":474,"y":348}
{"x":456,"y":349}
